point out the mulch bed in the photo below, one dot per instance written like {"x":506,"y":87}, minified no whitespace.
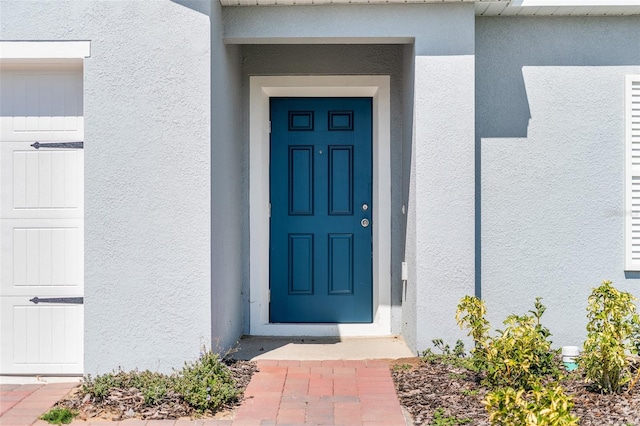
{"x":423,"y":387}
{"x":129,"y":403}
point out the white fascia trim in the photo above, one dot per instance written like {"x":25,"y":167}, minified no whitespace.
{"x":319,"y":2}
{"x":574,"y":3}
{"x":261,"y":89}
{"x":44,"y":49}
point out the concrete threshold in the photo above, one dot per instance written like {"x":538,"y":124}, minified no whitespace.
{"x":320,"y":348}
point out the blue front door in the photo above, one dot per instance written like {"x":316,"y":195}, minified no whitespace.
{"x":320,"y":253}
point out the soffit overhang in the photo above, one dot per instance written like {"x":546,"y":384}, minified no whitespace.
{"x":486,"y":7}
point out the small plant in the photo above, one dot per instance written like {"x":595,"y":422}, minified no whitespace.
{"x":470,"y":392}
{"x":401,"y":367}
{"x":538,"y":407}
{"x":457,"y":376}
{"x":100,"y":387}
{"x":520,"y":356}
{"x":457,"y":357}
{"x":471,"y":314}
{"x":206,"y":384}
{"x":610,"y":336}
{"x":153,"y":386}
{"x":439,"y":419}
{"x":58,"y":416}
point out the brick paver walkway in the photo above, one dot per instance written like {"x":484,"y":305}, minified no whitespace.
{"x":321,"y":393}
{"x":350,"y":393}
{"x":23,"y":404}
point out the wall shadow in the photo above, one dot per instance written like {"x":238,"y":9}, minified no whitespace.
{"x":504,"y":46}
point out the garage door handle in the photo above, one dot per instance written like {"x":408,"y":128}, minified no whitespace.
{"x":74,"y":300}
{"x":78,"y":145}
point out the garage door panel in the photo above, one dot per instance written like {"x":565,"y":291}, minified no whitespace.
{"x":42,"y":254}
{"x":41,"y":105}
{"x":43,"y":338}
{"x":41,"y":220}
{"x":44,"y":183}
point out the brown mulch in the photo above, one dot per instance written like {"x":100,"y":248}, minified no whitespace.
{"x":423,"y":387}
{"x":123,"y":404}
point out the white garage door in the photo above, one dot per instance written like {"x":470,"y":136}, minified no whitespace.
{"x":41,"y":220}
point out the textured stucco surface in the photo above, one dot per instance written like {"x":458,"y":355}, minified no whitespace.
{"x":341,"y":59}
{"x":435,"y":29}
{"x":441,"y":251}
{"x":229,"y":219}
{"x":408,"y":292}
{"x":550,"y":127}
{"x":510,"y":163}
{"x":444,"y":194}
{"x":147,"y":173}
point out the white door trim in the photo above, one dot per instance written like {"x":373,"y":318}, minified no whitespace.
{"x":41,"y":50}
{"x":261,"y":89}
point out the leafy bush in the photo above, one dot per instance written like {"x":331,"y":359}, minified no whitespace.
{"x":153,"y":386}
{"x":58,"y":416}
{"x":206,"y":384}
{"x":520,"y":356}
{"x":456,"y":357}
{"x":613,"y":321}
{"x":471,"y":314}
{"x":540,"y":407}
{"x":100,"y":387}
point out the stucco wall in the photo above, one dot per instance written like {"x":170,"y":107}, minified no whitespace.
{"x":444,"y":133}
{"x":408,"y":292}
{"x":147,"y":173}
{"x":341,"y":59}
{"x":550,"y":129}
{"x":441,"y":138}
{"x":229,"y":219}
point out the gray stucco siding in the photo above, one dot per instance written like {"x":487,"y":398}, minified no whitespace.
{"x":435,"y":29}
{"x":550,"y":132}
{"x":441,"y":138}
{"x":229,"y":218}
{"x":147,"y":174}
{"x":340,"y":60}
{"x":507,"y":160}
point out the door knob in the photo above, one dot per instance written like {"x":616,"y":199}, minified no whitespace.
{"x":364,"y":223}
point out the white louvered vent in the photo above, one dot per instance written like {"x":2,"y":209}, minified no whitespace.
{"x":632,"y":172}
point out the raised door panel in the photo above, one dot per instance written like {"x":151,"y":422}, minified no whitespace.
{"x":43,"y":183}
{"x":41,"y":105}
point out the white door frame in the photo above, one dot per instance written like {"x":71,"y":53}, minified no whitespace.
{"x":261,"y":89}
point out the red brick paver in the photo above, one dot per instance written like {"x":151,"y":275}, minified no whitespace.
{"x":23,"y":404}
{"x":349,"y":393}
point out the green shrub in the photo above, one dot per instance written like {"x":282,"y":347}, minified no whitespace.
{"x":439,"y":419}
{"x":471,"y":314}
{"x":207,"y":383}
{"x":520,"y":356}
{"x":58,"y":416}
{"x":540,"y":407}
{"x":100,"y":387}
{"x":613,"y":321}
{"x":456,"y":357}
{"x":153,"y":386}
